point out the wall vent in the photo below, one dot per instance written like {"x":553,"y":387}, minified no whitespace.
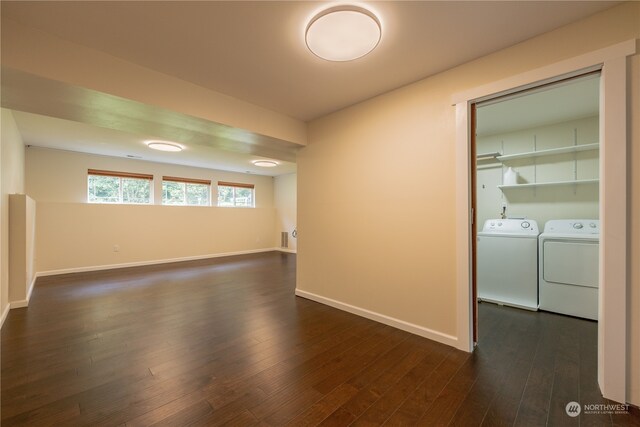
{"x":284,"y":239}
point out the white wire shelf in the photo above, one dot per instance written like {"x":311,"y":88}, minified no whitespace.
{"x":550,"y":152}
{"x":549,"y":184}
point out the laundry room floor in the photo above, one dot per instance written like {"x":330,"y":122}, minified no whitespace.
{"x":541,"y":361}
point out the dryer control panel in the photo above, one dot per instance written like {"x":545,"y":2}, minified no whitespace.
{"x":573,"y":226}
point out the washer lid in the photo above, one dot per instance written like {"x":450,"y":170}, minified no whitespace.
{"x":515,"y":227}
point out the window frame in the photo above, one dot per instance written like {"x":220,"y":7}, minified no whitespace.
{"x":235,"y":185}
{"x":120,"y":176}
{"x":186,"y":181}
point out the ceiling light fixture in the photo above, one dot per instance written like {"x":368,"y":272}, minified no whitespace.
{"x":164,"y":146}
{"x":265,"y":163}
{"x":343,"y":33}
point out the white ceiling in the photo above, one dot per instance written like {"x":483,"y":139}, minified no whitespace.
{"x":255,"y":51}
{"x":566,"y":101}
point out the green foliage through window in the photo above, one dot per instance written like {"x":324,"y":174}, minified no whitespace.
{"x":114,"y":189}
{"x":229,"y":196}
{"x":185,"y":193}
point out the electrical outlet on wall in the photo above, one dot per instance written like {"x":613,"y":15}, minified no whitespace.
{"x":116,"y":248}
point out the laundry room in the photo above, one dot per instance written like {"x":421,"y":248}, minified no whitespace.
{"x":537,"y":198}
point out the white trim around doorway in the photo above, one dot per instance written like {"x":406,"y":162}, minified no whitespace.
{"x":612,"y":325}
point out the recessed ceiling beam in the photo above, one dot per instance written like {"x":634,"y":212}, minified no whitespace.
{"x":26,"y":92}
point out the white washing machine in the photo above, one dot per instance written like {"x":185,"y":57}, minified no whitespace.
{"x":569,"y":267}
{"x":507,"y":262}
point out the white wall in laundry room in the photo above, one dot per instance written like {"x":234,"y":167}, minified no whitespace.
{"x":540,"y":202}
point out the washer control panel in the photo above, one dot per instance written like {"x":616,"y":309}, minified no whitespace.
{"x":573,"y":226}
{"x":511,"y":226}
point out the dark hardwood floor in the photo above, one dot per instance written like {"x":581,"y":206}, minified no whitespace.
{"x":225,"y":341}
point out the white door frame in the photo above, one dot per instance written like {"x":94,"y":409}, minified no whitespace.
{"x":612,"y":325}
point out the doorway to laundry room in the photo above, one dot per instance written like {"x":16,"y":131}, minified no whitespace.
{"x":537,"y":228}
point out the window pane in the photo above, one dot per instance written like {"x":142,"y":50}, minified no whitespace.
{"x":225,"y":196}
{"x":104,"y":189}
{"x":198,"y":194}
{"x":244,"y":197}
{"x":173,"y":193}
{"x":235,"y":196}
{"x":136,"y":190}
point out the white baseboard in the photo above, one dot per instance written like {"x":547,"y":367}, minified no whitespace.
{"x":288,"y":251}
{"x":24,"y":302}
{"x":19,"y":304}
{"x":5,"y":312}
{"x":152,"y":262}
{"x":391,"y":321}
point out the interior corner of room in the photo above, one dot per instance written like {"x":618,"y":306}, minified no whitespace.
{"x":510,"y":217}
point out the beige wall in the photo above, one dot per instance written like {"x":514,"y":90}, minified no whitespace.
{"x":61,"y":176}
{"x":11,"y":182}
{"x":377,"y":186}
{"x":83,"y":235}
{"x":74,"y":234}
{"x":540,"y":203}
{"x":285,"y":201}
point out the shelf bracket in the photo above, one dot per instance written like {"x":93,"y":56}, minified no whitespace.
{"x":575,"y":160}
{"x":535,"y":165}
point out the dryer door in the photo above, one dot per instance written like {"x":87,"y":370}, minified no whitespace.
{"x":571,"y":263}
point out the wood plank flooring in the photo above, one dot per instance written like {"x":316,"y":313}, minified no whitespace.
{"x":225,"y":342}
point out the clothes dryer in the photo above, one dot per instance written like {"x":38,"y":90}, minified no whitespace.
{"x":568,"y":276}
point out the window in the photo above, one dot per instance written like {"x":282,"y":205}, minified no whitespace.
{"x":119,"y":187}
{"x":235,"y":194}
{"x":185,"y":191}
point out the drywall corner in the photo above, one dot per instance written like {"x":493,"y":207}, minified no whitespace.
{"x":11,"y":181}
{"x":21,"y":247}
{"x":285,"y":200}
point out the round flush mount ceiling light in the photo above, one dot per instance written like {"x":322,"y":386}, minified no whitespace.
{"x":164,"y":146}
{"x":343,"y":33}
{"x":265,"y":163}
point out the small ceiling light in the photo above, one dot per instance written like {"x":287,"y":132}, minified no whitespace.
{"x":343,"y":33}
{"x":265,"y":163}
{"x":164,"y":146}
